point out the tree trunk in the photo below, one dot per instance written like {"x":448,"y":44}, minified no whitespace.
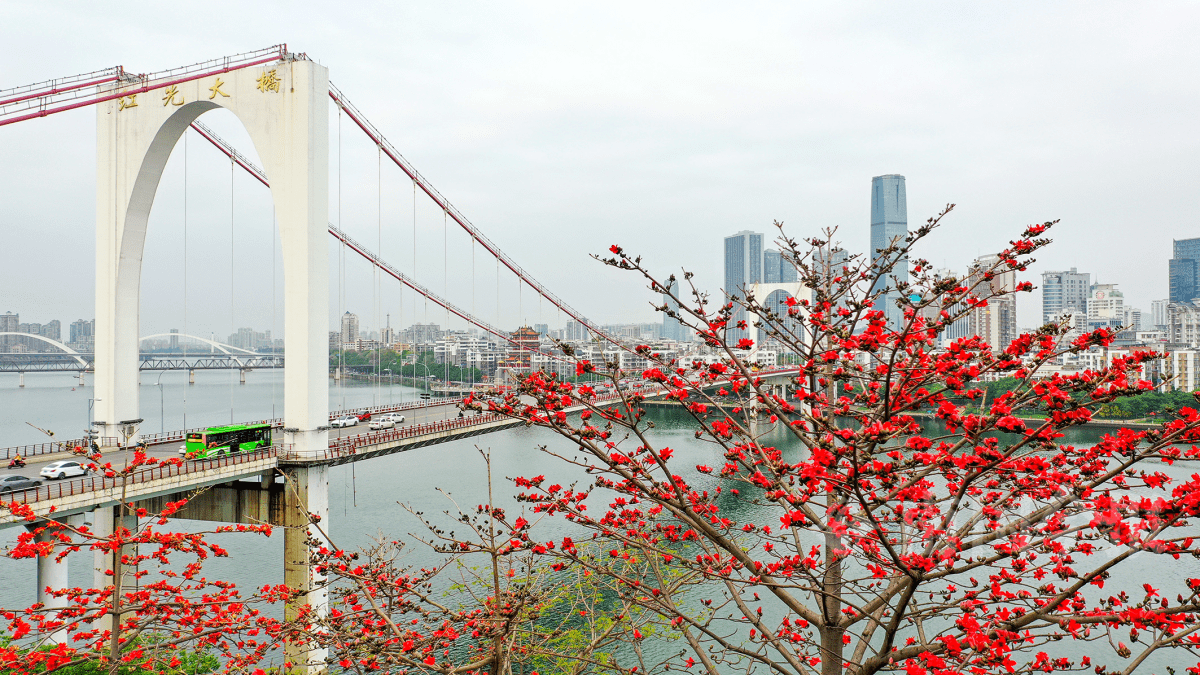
{"x":831,"y":609}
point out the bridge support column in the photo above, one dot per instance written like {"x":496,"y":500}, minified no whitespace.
{"x":306,"y":492}
{"x":52,"y":574}
{"x":191,"y":376}
{"x":243,"y":375}
{"x":21,"y":380}
{"x":82,"y":379}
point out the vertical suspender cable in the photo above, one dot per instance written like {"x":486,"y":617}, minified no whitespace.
{"x":274,"y":297}
{"x":414,"y":269}
{"x":185,"y":273}
{"x":232,"y":271}
{"x":446,"y":290}
{"x":375,"y":268}
{"x":341,"y":277}
{"x":498,"y":311}
{"x":472,"y":305}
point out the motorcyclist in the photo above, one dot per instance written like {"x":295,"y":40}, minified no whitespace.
{"x":16,"y":462}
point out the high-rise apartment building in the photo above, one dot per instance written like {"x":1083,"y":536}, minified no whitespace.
{"x":83,"y":334}
{"x":9,"y":323}
{"x":1132,"y":320}
{"x":889,"y":226}
{"x":1065,"y":292}
{"x":777,"y":269}
{"x":576,"y":332}
{"x":997,"y":322}
{"x":1184,"y":270}
{"x":349,"y":328}
{"x":1183,"y":323}
{"x":1158,"y":314}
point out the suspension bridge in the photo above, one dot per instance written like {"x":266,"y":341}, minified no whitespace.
{"x":284,"y":102}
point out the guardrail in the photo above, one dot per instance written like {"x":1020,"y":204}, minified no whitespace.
{"x":349,"y":445}
{"x":34,"y":449}
{"x":48,"y":448}
{"x":92,"y":483}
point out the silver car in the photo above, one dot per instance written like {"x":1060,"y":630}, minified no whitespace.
{"x":63,"y":469}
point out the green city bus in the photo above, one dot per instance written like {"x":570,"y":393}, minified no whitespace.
{"x":215,"y":441}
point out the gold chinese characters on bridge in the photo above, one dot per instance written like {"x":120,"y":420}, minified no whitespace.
{"x":172,"y":96}
{"x":269,"y":81}
{"x":216,"y":89}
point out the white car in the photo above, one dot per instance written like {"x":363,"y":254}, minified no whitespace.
{"x":387,"y":421}
{"x":63,"y":469}
{"x":344,"y":421}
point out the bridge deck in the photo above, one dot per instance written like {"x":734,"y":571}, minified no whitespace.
{"x":83,"y":494}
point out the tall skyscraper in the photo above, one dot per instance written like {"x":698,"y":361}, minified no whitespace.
{"x":743,"y":261}
{"x":1064,"y":293}
{"x":776,"y":268}
{"x":1184,"y":270}
{"x":743,"y":266}
{"x":671,"y":328}
{"x":349,"y":328}
{"x":889,"y":225}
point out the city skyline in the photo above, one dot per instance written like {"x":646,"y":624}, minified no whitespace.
{"x":710,"y":136}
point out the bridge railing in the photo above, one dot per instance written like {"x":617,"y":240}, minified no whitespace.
{"x":350,"y":445}
{"x":51,"y":447}
{"x":277,"y":422}
{"x":92,"y":483}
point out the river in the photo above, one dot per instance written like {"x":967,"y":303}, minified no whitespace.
{"x":364,"y":496}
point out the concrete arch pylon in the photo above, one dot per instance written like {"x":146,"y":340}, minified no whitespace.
{"x":50,"y":341}
{"x":284,"y":107}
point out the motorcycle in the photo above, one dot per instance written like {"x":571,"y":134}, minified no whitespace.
{"x":16,"y":463}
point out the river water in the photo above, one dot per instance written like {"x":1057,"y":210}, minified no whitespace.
{"x":364,"y":496}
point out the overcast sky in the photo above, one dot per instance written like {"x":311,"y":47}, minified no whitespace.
{"x":560,"y":129}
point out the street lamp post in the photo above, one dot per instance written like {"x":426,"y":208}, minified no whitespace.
{"x":161,"y":405}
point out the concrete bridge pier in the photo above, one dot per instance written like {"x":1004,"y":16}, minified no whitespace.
{"x":21,"y":379}
{"x":306,"y":515}
{"x":243,"y":375}
{"x":191,"y":376}
{"x":52,"y":574}
{"x":82,"y":379}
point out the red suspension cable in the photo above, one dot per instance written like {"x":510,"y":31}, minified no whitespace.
{"x":377,"y":137}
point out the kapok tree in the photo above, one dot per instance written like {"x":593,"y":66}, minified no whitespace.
{"x":917,"y":527}
{"x":488,"y":605}
{"x":158,"y":608}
